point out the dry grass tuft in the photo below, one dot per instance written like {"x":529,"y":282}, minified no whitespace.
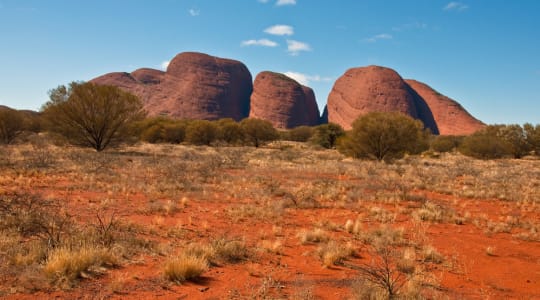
{"x":333,"y":253}
{"x":184,"y":267}
{"x":316,"y":235}
{"x":65,"y":265}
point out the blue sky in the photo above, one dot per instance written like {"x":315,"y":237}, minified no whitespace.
{"x":484,"y":54}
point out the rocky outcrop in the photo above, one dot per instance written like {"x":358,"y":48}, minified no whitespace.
{"x":450,"y":116}
{"x":363,"y":90}
{"x":373,"y":88}
{"x":283,"y":101}
{"x":195,"y":86}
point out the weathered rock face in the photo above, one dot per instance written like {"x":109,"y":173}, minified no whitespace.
{"x":363,"y":90}
{"x":283,"y":101}
{"x":313,"y":113}
{"x":367,"y":89}
{"x":450,"y":116}
{"x":195,"y":86}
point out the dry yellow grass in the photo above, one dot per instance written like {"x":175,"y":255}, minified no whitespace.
{"x":184,"y":267}
{"x":64,"y":265}
{"x":316,"y":235}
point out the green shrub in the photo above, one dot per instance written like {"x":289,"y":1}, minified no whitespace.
{"x":174,"y":132}
{"x":201,"y":132}
{"x":496,"y":141}
{"x":12,"y":124}
{"x":532,"y":136}
{"x":299,"y":134}
{"x":258,"y":132}
{"x":384,"y":136}
{"x":230,"y":131}
{"x":445,"y":143}
{"x":326,"y":135}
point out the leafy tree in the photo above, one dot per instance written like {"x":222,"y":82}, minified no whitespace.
{"x":485,"y":144}
{"x":299,"y":134}
{"x":327,"y":135}
{"x":258,"y":132}
{"x":161,"y":129}
{"x":12,"y":124}
{"x":497,"y":141}
{"x":445,"y":143}
{"x":201,"y":132}
{"x":384,"y":136}
{"x":174,"y":132}
{"x":532,"y":136}
{"x":92,"y":115}
{"x":516,"y":138}
{"x":229,"y":131}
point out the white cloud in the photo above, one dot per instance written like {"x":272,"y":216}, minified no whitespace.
{"x":305,"y":79}
{"x":194,"y":12}
{"x":280,"y":30}
{"x":285,"y":2}
{"x":261,"y":42}
{"x":263,"y":1}
{"x":165,"y":64}
{"x":382,"y":36}
{"x":295,"y":47}
{"x":457,"y":6}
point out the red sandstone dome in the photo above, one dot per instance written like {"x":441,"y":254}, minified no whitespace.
{"x":283,"y":101}
{"x":373,"y":88}
{"x":450,"y":116}
{"x":195,"y":86}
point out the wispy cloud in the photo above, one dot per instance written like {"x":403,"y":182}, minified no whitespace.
{"x":375,"y":38}
{"x":410,"y":26}
{"x":165,"y":64}
{"x":456,"y":6}
{"x":194,"y":12}
{"x":295,"y":47}
{"x":306,"y":79}
{"x":285,"y":2}
{"x":261,"y":42}
{"x":280,"y":30}
{"x":263,"y":1}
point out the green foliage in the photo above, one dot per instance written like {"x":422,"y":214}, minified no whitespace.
{"x":384,"y":136}
{"x":174,"y":132}
{"x":498,"y":141}
{"x":445,"y":143}
{"x":201,"y":132}
{"x":299,"y":134}
{"x":483,"y":145}
{"x":229,"y":131}
{"x":258,"y":132}
{"x":326,"y":135}
{"x":516,"y":138}
{"x":532,"y":134}
{"x":161,"y":130}
{"x":12,"y":124}
{"x":92,"y":115}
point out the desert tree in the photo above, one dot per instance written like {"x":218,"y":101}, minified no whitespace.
{"x":497,"y":141}
{"x":201,"y":132}
{"x":12,"y":124}
{"x":92,"y":115}
{"x":327,"y":135}
{"x":229,"y":131}
{"x":258,"y":132}
{"x":385,"y":136}
{"x":299,"y":134}
{"x":445,"y":143}
{"x":532,"y":133}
